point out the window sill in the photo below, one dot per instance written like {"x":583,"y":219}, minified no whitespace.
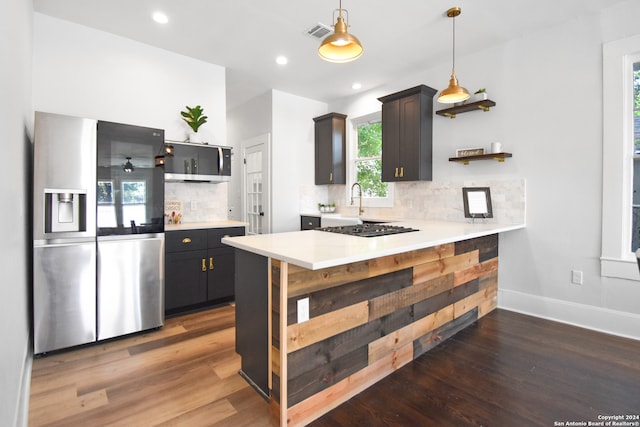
{"x":619,"y":268}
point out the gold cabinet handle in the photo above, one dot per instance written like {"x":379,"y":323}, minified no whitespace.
{"x":401,"y":172}
{"x":186,"y":240}
{"x":396,"y":172}
{"x":331,"y":176}
{"x":204,"y":264}
{"x":211,"y":263}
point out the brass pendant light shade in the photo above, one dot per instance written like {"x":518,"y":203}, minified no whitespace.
{"x":340,"y":46}
{"x":454,"y":92}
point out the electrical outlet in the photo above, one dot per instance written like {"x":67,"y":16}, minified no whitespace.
{"x":194,"y":205}
{"x":303,"y":310}
{"x":576,"y":277}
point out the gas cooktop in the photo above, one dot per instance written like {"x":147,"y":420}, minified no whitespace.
{"x":368,"y":230}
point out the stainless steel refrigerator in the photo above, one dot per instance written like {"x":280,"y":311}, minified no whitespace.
{"x":98,"y":257}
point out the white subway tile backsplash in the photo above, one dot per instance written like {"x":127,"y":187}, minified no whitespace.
{"x":211,"y":200}
{"x":429,"y":200}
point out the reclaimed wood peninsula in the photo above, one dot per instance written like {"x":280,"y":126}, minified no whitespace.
{"x":374,"y":305}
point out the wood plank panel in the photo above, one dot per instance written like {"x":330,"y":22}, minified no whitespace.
{"x":393,"y":301}
{"x":323,"y":352}
{"x":337,"y":297}
{"x":444,"y":284}
{"x":314,"y":381}
{"x":472,"y":301}
{"x":443,"y":299}
{"x":284,"y":343}
{"x":486,"y":245}
{"x":390,"y":343}
{"x":311,"y":408}
{"x":319,"y":328}
{"x":428,"y":341}
{"x":302,"y":281}
{"x":430,"y":270}
{"x":475,"y":271}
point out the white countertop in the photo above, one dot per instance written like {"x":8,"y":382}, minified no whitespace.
{"x":208,"y":224}
{"x":313,"y":249}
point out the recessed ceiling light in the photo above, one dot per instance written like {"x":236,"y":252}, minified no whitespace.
{"x":356,"y":86}
{"x":160,"y":18}
{"x":282,"y":60}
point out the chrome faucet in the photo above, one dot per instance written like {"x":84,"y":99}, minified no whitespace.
{"x":360,"y":210}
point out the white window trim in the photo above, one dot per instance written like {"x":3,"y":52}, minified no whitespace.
{"x":616,"y":259}
{"x":370,"y":202}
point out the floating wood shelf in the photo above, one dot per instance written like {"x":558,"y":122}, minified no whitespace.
{"x":483,"y":105}
{"x":466,"y":159}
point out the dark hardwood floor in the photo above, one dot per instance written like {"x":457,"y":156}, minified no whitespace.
{"x":505,"y":370}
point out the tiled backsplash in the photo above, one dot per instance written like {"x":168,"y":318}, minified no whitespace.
{"x":201,"y":202}
{"x":428,"y":200}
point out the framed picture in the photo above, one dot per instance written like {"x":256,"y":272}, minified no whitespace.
{"x":464,"y":152}
{"x":477,"y":202}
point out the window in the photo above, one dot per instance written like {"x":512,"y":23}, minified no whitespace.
{"x":620,"y":226}
{"x":366,"y":161}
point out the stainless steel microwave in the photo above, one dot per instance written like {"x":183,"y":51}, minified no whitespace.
{"x":184,"y":161}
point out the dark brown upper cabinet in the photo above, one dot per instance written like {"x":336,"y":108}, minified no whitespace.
{"x":330,"y":137}
{"x":407,"y":130}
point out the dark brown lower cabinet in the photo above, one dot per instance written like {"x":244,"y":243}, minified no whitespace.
{"x":199,"y":269}
{"x":220,"y":276}
{"x":185,"y":283}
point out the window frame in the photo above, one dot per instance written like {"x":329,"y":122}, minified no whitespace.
{"x":352,"y":154}
{"x":616,"y":258}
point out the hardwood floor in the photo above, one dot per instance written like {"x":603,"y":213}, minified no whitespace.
{"x":184,"y":374}
{"x":505,"y":370}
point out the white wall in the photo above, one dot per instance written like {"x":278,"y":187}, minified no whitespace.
{"x":84,"y":72}
{"x":16,"y":124}
{"x":288,"y":118}
{"x":244,"y":122}
{"x":293,"y":155}
{"x":548,"y":90}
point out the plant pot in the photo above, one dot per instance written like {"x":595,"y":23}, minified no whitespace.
{"x":480,"y":96}
{"x":195,"y":137}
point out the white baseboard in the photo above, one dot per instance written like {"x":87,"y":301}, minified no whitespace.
{"x":585,"y":316}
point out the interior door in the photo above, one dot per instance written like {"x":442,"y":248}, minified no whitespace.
{"x":256,"y":199}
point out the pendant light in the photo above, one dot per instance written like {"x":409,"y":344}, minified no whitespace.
{"x":340,"y":46}
{"x":453,"y":93}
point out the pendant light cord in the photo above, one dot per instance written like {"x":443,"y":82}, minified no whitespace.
{"x":453,"y":67}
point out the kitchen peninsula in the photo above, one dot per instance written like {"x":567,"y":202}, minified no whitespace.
{"x":322,"y":316}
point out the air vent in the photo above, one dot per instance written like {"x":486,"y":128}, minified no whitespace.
{"x":319,"y":31}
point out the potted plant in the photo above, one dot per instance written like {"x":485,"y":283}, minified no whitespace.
{"x":480,"y":95}
{"x":194,"y":118}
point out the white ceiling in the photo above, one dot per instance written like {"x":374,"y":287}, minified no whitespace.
{"x":245,"y":36}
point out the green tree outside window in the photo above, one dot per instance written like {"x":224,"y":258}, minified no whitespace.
{"x":369,"y":160}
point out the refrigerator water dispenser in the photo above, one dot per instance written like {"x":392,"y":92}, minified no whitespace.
{"x":65,"y":210}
